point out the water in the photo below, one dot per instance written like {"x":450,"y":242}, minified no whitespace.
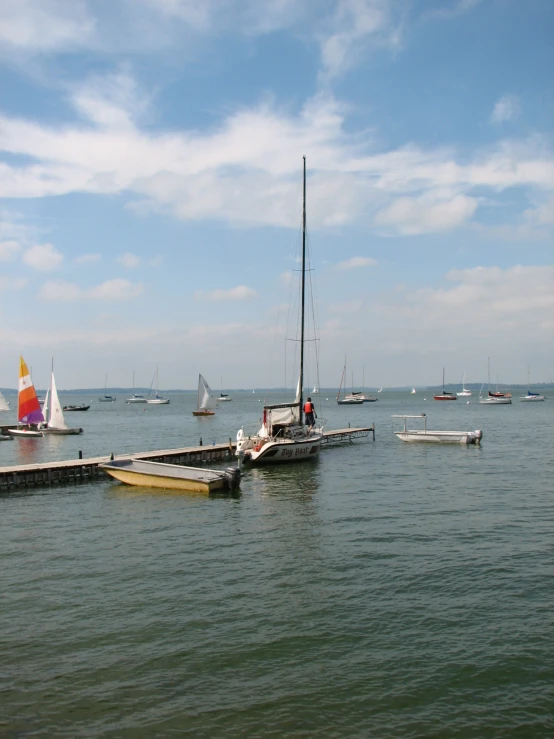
{"x":386,"y":590}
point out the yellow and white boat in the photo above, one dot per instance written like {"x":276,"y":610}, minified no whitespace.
{"x":172,"y":476}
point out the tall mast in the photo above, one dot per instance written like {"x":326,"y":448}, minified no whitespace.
{"x":303,"y":293}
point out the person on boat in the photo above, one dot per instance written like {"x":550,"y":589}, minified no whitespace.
{"x":309,"y":410}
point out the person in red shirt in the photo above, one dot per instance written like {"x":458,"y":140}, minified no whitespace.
{"x":309,"y":410}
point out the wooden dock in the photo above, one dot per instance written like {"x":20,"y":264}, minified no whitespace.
{"x":81,"y":470}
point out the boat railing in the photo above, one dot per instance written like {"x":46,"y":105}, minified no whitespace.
{"x":420,"y":415}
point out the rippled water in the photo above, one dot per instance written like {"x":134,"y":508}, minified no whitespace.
{"x":385,"y":590}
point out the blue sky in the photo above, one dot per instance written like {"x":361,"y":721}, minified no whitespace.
{"x":151,"y":174}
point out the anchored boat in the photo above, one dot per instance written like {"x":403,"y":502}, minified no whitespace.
{"x":436,"y":437}
{"x":171,"y":476}
{"x":445,"y":395}
{"x":53,"y":415}
{"x":29,"y":414}
{"x":283,"y":436}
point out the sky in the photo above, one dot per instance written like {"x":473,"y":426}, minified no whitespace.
{"x":151,"y":190}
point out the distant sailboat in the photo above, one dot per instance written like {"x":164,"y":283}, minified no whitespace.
{"x":465,"y":393}
{"x":29,"y":414}
{"x":134,"y":397}
{"x":53,"y":414}
{"x":412,"y":391}
{"x":205,"y":402}
{"x":157,"y":399}
{"x":351,"y":399}
{"x":446,"y":394}
{"x":4,"y":405}
{"x":223,"y":397}
{"x":106,"y":398}
{"x":529,"y":398}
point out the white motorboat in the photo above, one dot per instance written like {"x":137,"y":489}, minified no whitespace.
{"x":283,"y":436}
{"x":427,"y":436}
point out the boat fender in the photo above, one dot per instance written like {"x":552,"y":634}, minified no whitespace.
{"x":258,"y":446}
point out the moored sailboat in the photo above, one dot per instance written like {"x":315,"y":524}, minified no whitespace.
{"x":54,"y":421}
{"x":445,"y":395}
{"x":283,"y":436}
{"x":464,"y":393}
{"x":350,"y":399}
{"x":29,"y":414}
{"x":157,"y":399}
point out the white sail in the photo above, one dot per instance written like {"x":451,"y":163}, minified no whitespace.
{"x":206,"y":401}
{"x":56,"y":420}
{"x":4,"y":406}
{"x":46,"y":405}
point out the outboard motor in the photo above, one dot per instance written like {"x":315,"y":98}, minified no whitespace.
{"x":478,"y":436}
{"x":232,"y":478}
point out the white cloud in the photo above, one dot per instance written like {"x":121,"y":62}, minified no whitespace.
{"x":356,"y":262}
{"x":236,"y":293}
{"x":43,"y":257}
{"x":44,"y":25}
{"x":8,"y":250}
{"x":111,"y":290}
{"x":354,"y":21}
{"x":505,"y":109}
{"x":410,"y":216}
{"x":88,"y":258}
{"x":129,"y":260}
{"x":247,"y":172}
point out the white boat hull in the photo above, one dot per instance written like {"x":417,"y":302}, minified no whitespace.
{"x":495,"y":401}
{"x":158,"y":401}
{"x":271,"y":451}
{"x":532,"y":398}
{"x":25,"y":433}
{"x":440,"y":437}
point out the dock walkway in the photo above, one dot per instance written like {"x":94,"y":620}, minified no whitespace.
{"x":80,"y":470}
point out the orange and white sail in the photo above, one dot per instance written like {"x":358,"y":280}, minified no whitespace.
{"x":28,"y":406}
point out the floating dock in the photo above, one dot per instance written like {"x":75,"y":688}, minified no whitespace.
{"x":81,"y":470}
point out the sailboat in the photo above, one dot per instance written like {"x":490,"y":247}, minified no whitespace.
{"x":412,"y":391}
{"x":493,"y":398}
{"x":4,"y":405}
{"x":529,"y":398}
{"x":445,"y":395}
{"x":29,"y":414}
{"x":315,"y":391}
{"x":380,"y":389}
{"x":157,"y":399}
{"x":205,"y":402}
{"x":223,"y":397}
{"x":465,"y":393}
{"x":352,"y":398}
{"x":54,"y":422}
{"x":134,"y":397}
{"x":283,"y":436}
{"x":106,"y":398}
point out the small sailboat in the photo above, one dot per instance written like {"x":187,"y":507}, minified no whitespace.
{"x":134,"y":397}
{"x":380,"y":389}
{"x":157,"y":399}
{"x":4,"y":405}
{"x":205,"y":402}
{"x":350,"y":399}
{"x":493,"y":398}
{"x":315,"y":391}
{"x":283,"y":436}
{"x":412,"y":391}
{"x":465,"y":393}
{"x":445,"y":395}
{"x":29,"y":414}
{"x":54,"y":421}
{"x":530,"y":397}
{"x":223,"y":397}
{"x":106,"y":398}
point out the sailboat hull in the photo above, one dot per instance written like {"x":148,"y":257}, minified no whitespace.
{"x":62,"y":432}
{"x":203,"y":413}
{"x":276,"y":452}
{"x":25,"y":433}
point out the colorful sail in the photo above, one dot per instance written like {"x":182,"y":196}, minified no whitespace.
{"x":28,"y":407}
